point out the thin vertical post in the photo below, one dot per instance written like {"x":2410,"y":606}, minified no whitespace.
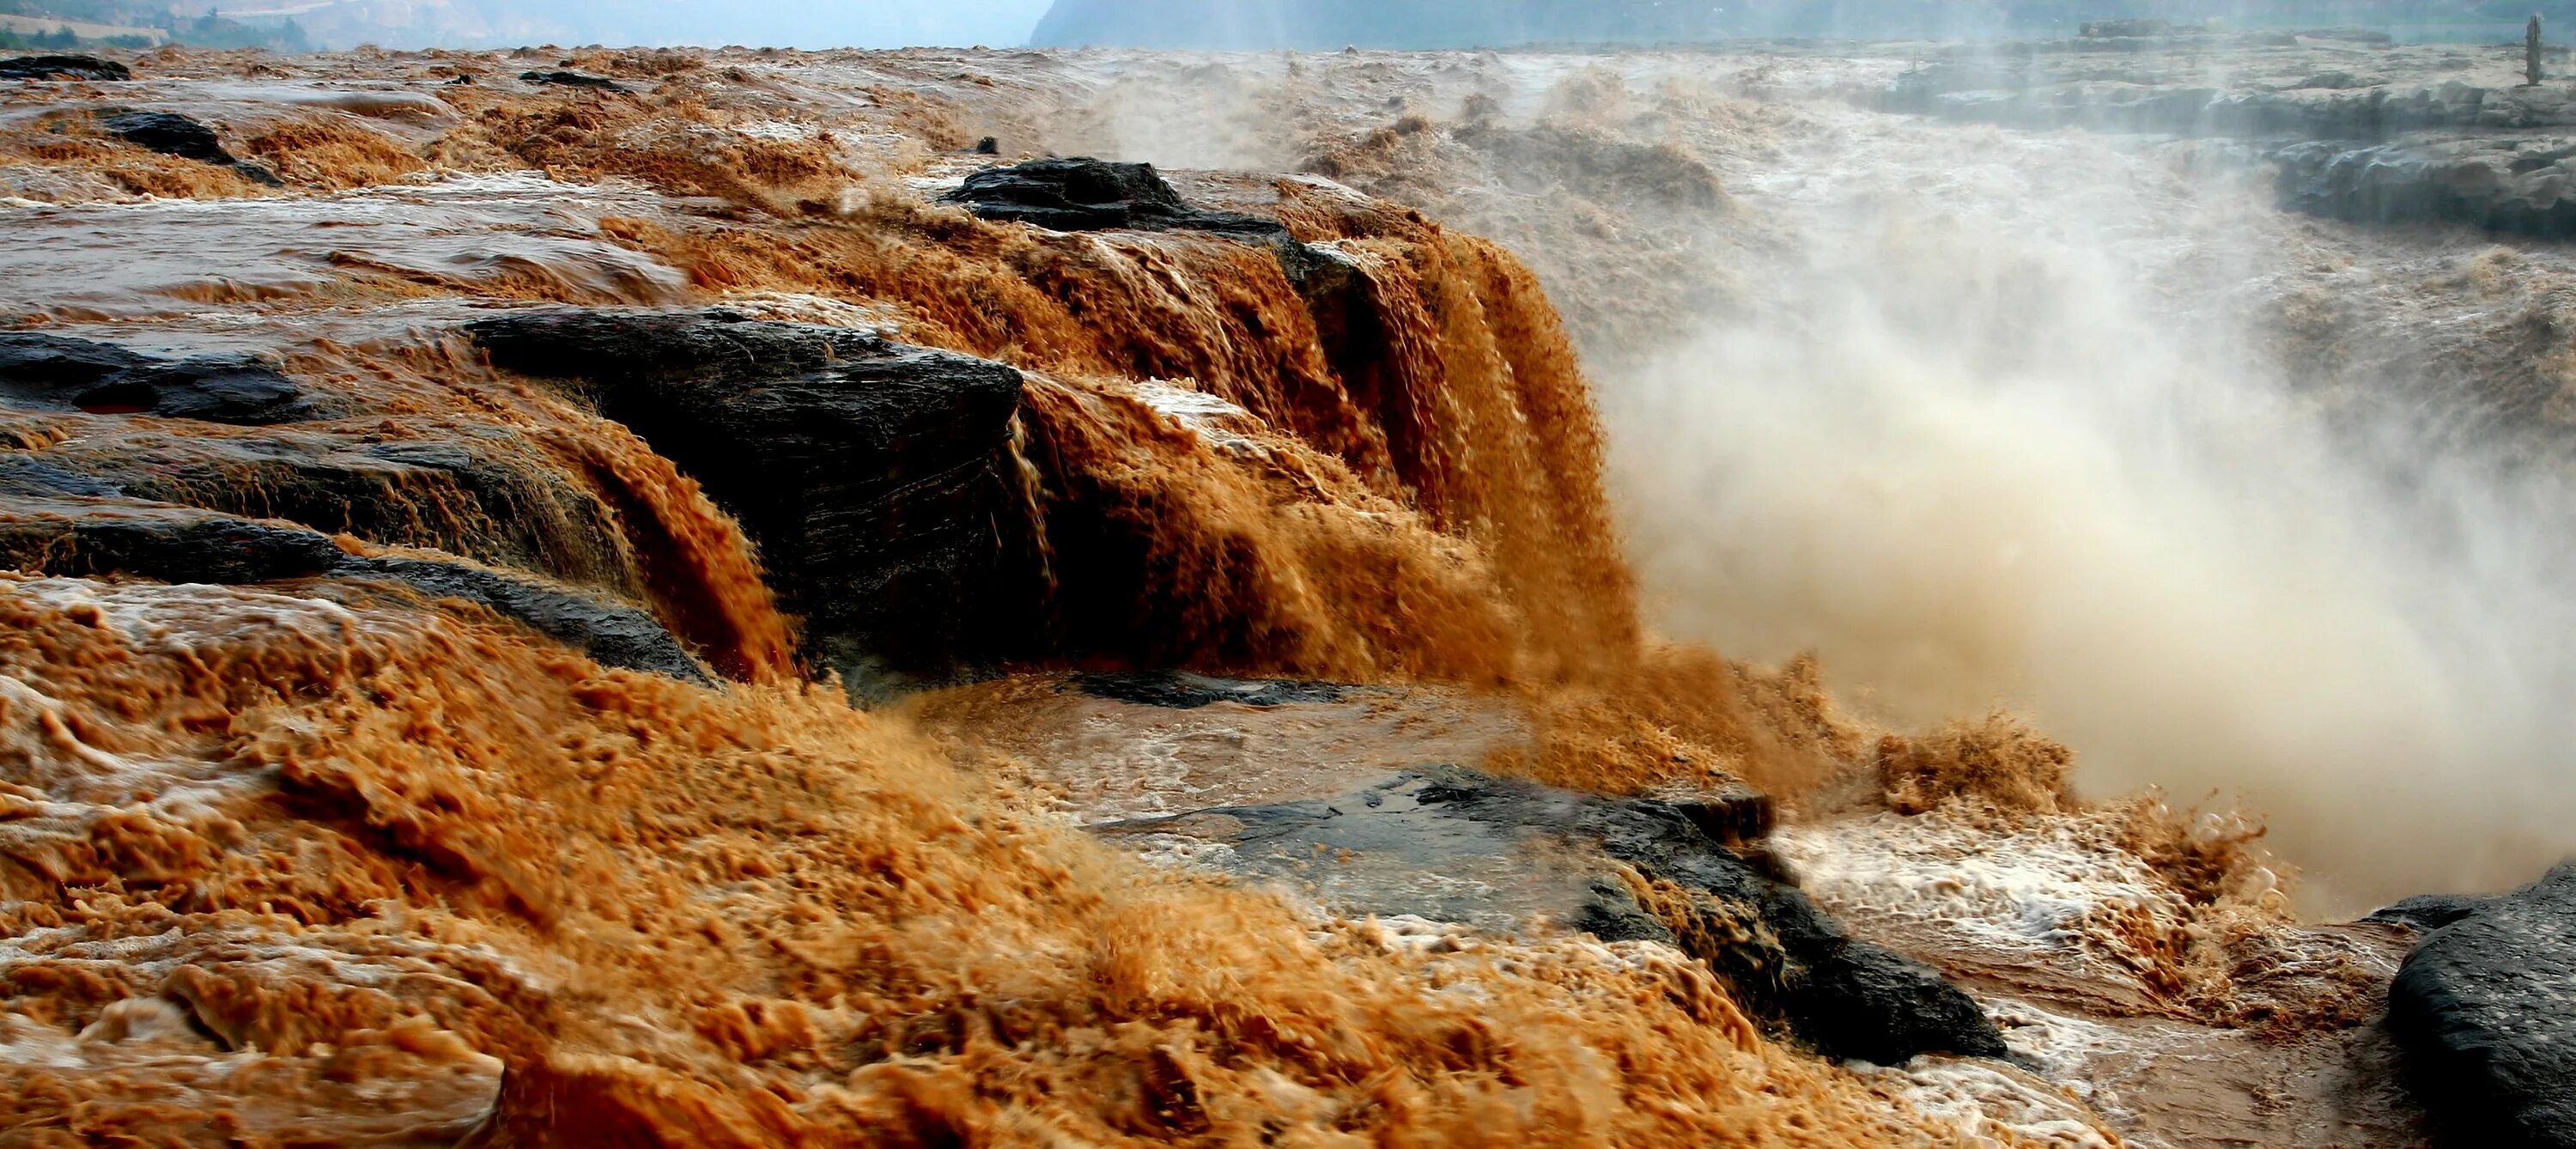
{"x":2531,"y":51}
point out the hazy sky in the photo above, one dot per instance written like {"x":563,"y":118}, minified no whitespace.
{"x":619,"y":23}
{"x":999,"y":23}
{"x":1008,"y":23}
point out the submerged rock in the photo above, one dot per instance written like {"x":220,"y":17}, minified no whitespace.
{"x":62,"y":67}
{"x":1455,"y":845}
{"x":172,"y":134}
{"x":166,"y":544}
{"x":480,"y":492}
{"x":1181,"y":690}
{"x":871,"y":474}
{"x":43,"y":531}
{"x":1084,"y":194}
{"x":52,"y":372}
{"x":168,"y":133}
{"x":2482,"y":1010}
{"x":572,"y":80}
{"x":609,"y":633}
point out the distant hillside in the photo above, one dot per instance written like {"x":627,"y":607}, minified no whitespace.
{"x":55,"y":24}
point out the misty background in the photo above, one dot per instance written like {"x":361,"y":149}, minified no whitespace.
{"x":303,"y":25}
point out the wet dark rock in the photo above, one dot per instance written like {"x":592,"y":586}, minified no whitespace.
{"x":2428,"y":912}
{"x":1866,"y":1003}
{"x":872,"y":475}
{"x":172,"y":134}
{"x":1610,"y":911}
{"x":52,"y":372}
{"x":611,"y":634}
{"x":676,"y":347}
{"x":70,"y":67}
{"x":1455,"y":845}
{"x":87,"y":537}
{"x":166,"y":544}
{"x":572,"y":80}
{"x":1089,"y":195}
{"x":1732,"y":813}
{"x":168,"y":133}
{"x":20,"y":474}
{"x":482,"y":492}
{"x":1084,"y":194}
{"x":2481,"y":1010}
{"x":1180,"y":690}
{"x":2523,"y":186}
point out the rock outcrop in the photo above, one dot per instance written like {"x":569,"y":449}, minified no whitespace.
{"x":2328,"y":106}
{"x":52,"y":372}
{"x":2521,"y":185}
{"x":147,"y":498}
{"x":1455,"y":845}
{"x":482,"y":493}
{"x":1083,"y":194}
{"x":62,"y":67}
{"x":47,"y":532}
{"x":172,"y":134}
{"x":873,"y":476}
{"x":2482,"y":1011}
{"x":2388,"y":136}
{"x":563,"y":79}
{"x":609,"y":633}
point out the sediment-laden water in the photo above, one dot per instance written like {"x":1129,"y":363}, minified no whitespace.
{"x":640,"y":612}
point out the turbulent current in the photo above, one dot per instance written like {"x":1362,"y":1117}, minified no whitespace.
{"x":720,"y":598}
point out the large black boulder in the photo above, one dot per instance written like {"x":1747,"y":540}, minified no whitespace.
{"x":2485,"y":1010}
{"x":872,"y":476}
{"x":63,"y":67}
{"x":1457,"y":845}
{"x":53,"y":372}
{"x":1083,"y":194}
{"x":168,"y":133}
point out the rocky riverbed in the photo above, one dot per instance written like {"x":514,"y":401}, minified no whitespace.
{"x":677,"y":591}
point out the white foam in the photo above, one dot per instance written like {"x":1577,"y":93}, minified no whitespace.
{"x":1986,"y":1102}
{"x":779,"y":130}
{"x":2048,"y":888}
{"x":1189,"y":405}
